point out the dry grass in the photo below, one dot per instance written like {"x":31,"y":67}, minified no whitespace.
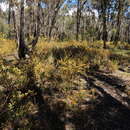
{"x":7,"y":46}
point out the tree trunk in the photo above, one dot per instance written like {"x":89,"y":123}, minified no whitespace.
{"x":104,"y":17}
{"x":80,"y":6}
{"x":119,"y":19}
{"x":53,"y":19}
{"x":9,"y":17}
{"x":15,"y":26}
{"x":22,"y":46}
{"x":37,"y":27}
{"x":78,"y":20}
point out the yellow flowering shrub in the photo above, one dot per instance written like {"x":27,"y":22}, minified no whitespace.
{"x":70,"y":67}
{"x":11,"y":76}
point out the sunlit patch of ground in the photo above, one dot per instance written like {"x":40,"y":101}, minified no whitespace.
{"x":7,"y":46}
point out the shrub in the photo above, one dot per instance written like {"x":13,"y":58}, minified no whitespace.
{"x":9,"y":76}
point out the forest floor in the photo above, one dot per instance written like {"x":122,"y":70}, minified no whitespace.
{"x":100,"y":100}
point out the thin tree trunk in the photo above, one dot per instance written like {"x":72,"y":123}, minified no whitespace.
{"x":104,"y":17}
{"x":37,"y":27}
{"x":9,"y":17}
{"x":78,"y":20}
{"x":15,"y":26}
{"x":53,"y":20}
{"x":119,"y":19}
{"x":80,"y":6}
{"x":22,"y":47}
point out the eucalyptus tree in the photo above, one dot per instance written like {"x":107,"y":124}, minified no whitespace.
{"x":80,"y":6}
{"x":104,"y":8}
{"x":52,"y":9}
{"x":22,"y":48}
{"x":120,"y":9}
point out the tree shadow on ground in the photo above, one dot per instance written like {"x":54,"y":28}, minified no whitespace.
{"x":108,"y":114}
{"x":46,"y":118}
{"x":105,"y":113}
{"x":110,"y":79}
